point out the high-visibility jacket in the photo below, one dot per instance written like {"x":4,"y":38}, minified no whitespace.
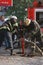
{"x":9,"y":26}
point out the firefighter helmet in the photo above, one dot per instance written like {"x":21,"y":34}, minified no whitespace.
{"x":14,"y":17}
{"x":27,"y":21}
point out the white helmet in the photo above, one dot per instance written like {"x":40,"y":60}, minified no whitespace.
{"x":14,"y":17}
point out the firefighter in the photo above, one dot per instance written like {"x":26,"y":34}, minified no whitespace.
{"x":12,"y":26}
{"x":33,"y":27}
{"x":8,"y":28}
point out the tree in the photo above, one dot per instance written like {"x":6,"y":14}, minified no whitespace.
{"x":18,"y":8}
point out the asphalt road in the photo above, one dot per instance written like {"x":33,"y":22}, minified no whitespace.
{"x":17,"y":60}
{"x":6,"y":59}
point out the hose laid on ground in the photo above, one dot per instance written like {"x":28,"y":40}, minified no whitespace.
{"x":35,"y":45}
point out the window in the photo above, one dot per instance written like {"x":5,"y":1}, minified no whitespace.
{"x":39,"y":18}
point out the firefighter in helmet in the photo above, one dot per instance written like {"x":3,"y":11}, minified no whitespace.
{"x":12,"y":27}
{"x":33,"y":27}
{"x":9,"y":29}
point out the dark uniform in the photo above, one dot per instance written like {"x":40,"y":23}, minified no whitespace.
{"x":9,"y":29}
{"x":33,"y":28}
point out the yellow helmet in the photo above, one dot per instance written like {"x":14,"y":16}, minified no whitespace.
{"x":27,"y":22}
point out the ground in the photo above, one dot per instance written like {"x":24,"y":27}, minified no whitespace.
{"x":17,"y":60}
{"x":6,"y":59}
